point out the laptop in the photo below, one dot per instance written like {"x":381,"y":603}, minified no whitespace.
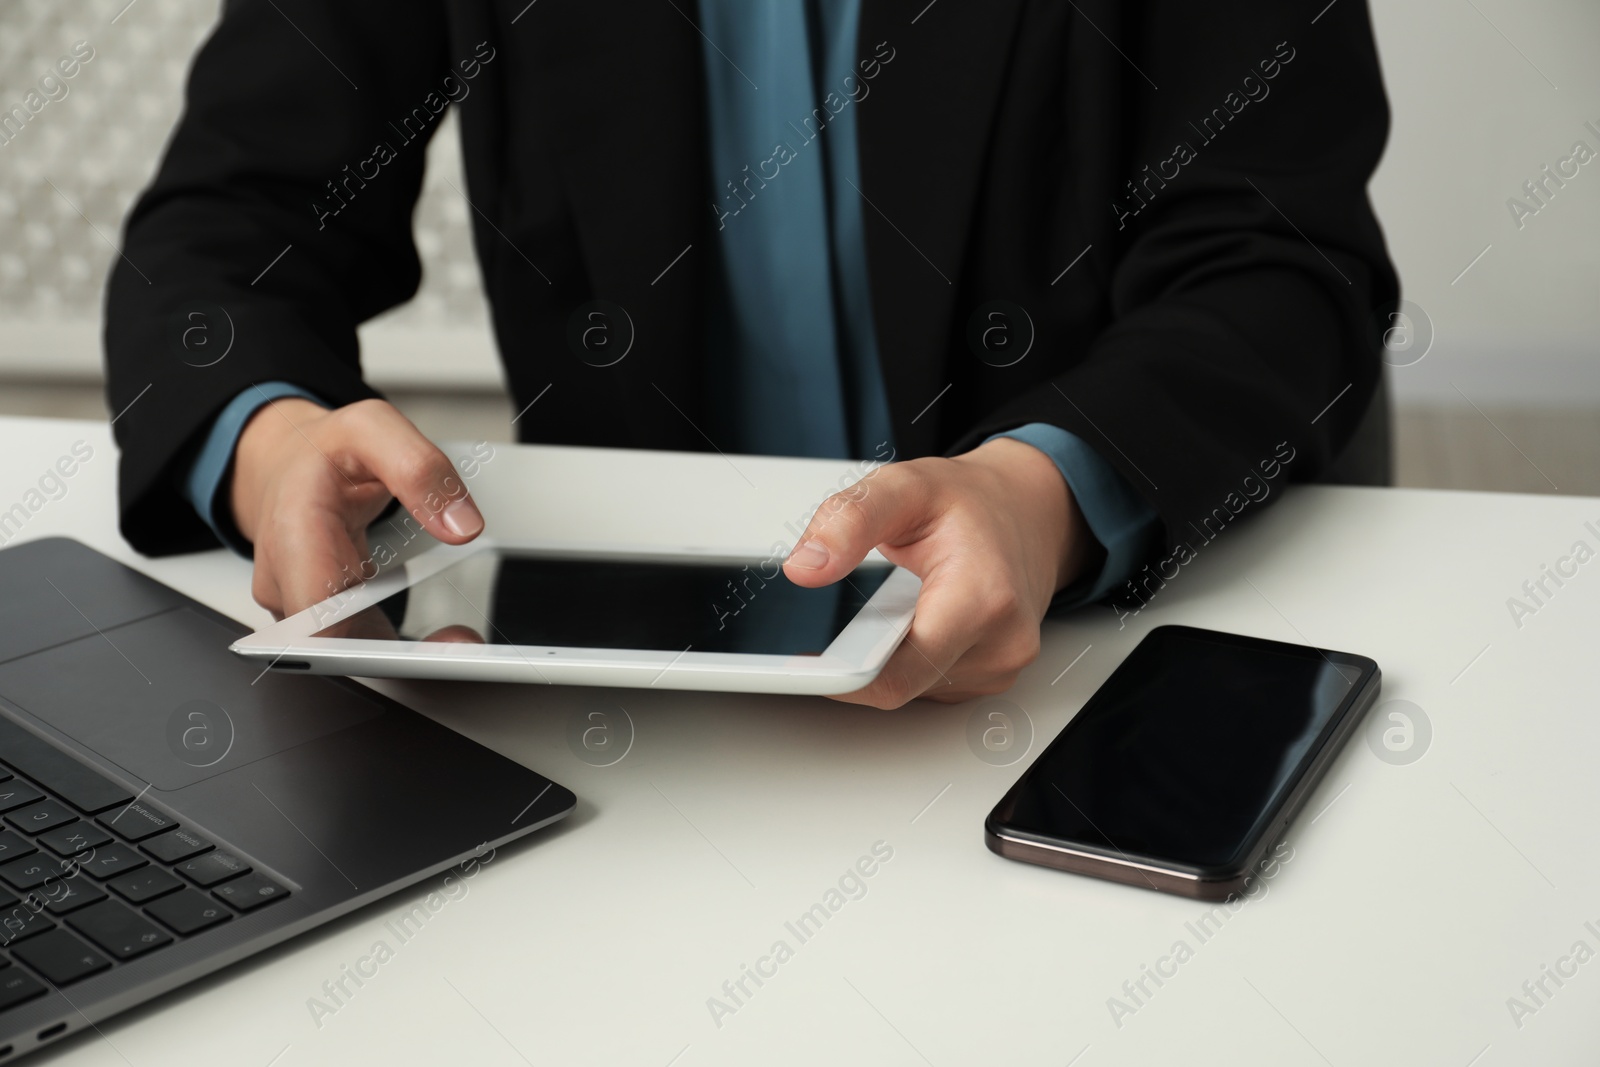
{"x":168,"y":809}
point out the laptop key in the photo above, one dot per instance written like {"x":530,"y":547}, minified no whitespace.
{"x":188,"y":912}
{"x":20,"y":922}
{"x":136,"y":821}
{"x":40,"y":816}
{"x":15,"y":794}
{"x":78,"y":784}
{"x":110,"y":860}
{"x":60,"y":957}
{"x":30,"y":872}
{"x":140,"y":886}
{"x":176,"y":845}
{"x":250,"y":892}
{"x":73,"y":838}
{"x":119,"y":929}
{"x":67,"y":894}
{"x":13,"y":846}
{"x":213,"y":867}
{"x":17,"y":986}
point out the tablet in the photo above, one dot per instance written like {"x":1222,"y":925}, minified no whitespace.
{"x":613,"y":616}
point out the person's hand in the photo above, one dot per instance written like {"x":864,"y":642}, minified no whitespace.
{"x":993,"y":534}
{"x":307,"y":481}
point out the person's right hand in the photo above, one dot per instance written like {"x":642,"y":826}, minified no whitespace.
{"x":307,"y":481}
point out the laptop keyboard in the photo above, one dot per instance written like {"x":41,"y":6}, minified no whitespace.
{"x":91,"y":877}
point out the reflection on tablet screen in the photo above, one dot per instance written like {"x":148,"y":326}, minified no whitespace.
{"x":523,"y":598}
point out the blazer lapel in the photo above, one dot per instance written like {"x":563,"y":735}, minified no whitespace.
{"x":626,"y":97}
{"x":921,"y":135}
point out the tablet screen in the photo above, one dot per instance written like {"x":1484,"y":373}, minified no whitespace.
{"x":523,"y":598}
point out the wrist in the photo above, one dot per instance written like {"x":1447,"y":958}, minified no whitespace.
{"x":267,"y":437}
{"x":1040,"y":494}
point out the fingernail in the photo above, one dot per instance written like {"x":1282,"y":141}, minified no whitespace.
{"x":462,"y":518}
{"x":811,"y":555}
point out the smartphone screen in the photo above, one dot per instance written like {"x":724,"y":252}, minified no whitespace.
{"x":1188,"y":750}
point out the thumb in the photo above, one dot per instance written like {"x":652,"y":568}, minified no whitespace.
{"x":892,"y":506}
{"x":413,"y":468}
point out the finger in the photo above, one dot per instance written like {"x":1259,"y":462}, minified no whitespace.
{"x":456,"y":634}
{"x":314,"y":559}
{"x":941,"y":633}
{"x":370,"y":624}
{"x":390,"y":448}
{"x":264,"y":589}
{"x":893,"y":507}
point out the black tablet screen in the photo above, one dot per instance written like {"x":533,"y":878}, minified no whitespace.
{"x":515,"y":598}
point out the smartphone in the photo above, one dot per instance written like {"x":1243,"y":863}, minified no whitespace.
{"x":1188,"y":764}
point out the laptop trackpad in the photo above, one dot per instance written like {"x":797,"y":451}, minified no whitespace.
{"x":164,"y":699}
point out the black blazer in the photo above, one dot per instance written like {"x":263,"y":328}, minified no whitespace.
{"x":1208,"y":161}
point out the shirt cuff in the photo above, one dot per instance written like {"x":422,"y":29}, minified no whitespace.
{"x":1120,"y":519}
{"x":209,"y":473}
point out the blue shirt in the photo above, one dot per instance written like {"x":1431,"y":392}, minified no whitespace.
{"x":792,"y":359}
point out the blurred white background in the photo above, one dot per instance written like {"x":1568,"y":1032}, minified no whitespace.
{"x":94,"y":150}
{"x":1485,"y":93}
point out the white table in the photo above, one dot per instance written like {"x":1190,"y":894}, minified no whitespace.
{"x":1419,"y":897}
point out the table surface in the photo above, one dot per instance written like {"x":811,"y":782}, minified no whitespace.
{"x":1416,"y":895}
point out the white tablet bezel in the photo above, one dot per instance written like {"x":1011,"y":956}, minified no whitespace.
{"x":854,"y":658}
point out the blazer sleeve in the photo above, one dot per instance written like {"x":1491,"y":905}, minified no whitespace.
{"x":1242,"y":289}
{"x":279,"y":219}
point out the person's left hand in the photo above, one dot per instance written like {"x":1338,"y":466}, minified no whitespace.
{"x":993,"y":534}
